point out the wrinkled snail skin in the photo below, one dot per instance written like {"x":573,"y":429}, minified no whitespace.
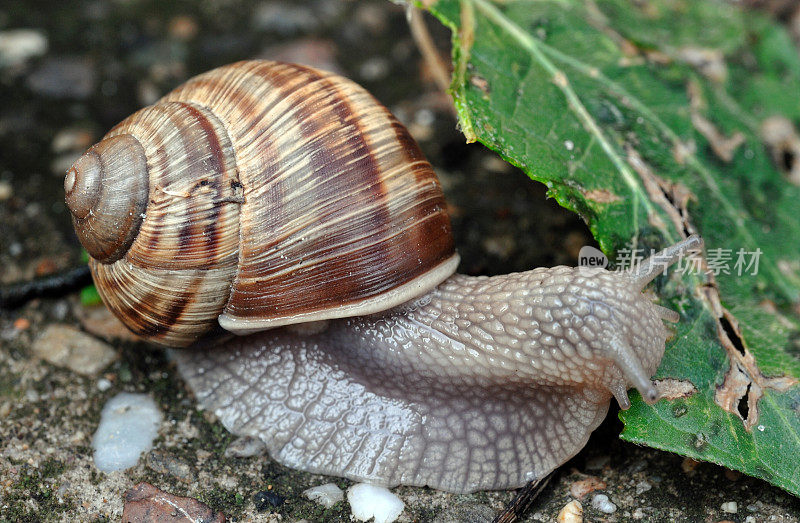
{"x":484,"y":383}
{"x":286,"y":200}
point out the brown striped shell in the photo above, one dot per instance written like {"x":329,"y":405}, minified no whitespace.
{"x":258,"y":194}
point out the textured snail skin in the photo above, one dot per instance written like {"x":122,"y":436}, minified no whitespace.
{"x":484,"y":383}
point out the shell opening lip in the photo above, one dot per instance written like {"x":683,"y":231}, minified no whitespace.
{"x":405,"y":293}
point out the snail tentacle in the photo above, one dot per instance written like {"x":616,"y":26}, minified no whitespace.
{"x":650,"y":268}
{"x":625,"y":358}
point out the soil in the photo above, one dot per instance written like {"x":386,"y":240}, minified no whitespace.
{"x":103,"y":61}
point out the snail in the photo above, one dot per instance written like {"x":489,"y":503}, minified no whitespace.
{"x":286,"y":204}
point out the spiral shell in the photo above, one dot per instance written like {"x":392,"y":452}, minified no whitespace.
{"x":273,"y":194}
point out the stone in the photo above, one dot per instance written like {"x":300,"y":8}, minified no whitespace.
{"x":584,"y":486}
{"x":245,"y":447}
{"x":572,"y":512}
{"x":368,"y":501}
{"x":128,"y":425}
{"x":267,"y":499}
{"x":17,"y":46}
{"x":603,"y":504}
{"x":145,"y":503}
{"x":326,"y":495}
{"x":102,"y":322}
{"x":66,"y":346}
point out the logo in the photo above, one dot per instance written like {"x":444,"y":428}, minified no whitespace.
{"x":592,"y":258}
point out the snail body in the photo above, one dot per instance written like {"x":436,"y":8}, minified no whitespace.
{"x":282,"y":199}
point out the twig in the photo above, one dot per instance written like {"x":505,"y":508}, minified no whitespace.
{"x":52,"y":286}
{"x":522,"y":501}
{"x":422,"y":37}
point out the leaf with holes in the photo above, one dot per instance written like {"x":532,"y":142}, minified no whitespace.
{"x":654,"y":120}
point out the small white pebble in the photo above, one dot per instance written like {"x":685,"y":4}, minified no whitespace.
{"x":572,"y":512}
{"x":730,"y":507}
{"x":245,"y":447}
{"x":128,"y":425}
{"x":103,"y":384}
{"x":374,"y":69}
{"x":424,"y":117}
{"x":749,"y":519}
{"x":6,"y":191}
{"x":761,"y":428}
{"x":603,"y":504}
{"x":19,"y":45}
{"x":78,"y":437}
{"x":642,"y":487}
{"x":367,"y":501}
{"x":327,"y":495}
{"x":569,"y":144}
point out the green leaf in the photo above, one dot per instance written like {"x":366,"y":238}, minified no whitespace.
{"x":90,"y":297}
{"x":645,"y":118}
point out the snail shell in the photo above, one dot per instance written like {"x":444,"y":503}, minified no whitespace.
{"x":259,"y":194}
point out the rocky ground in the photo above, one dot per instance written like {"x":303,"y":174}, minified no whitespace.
{"x":79,"y":68}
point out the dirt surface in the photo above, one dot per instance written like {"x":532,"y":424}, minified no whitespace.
{"x":102,"y":61}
